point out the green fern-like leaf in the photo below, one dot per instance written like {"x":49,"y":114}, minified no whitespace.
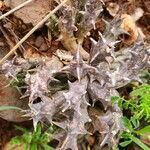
{"x":142,"y":96}
{"x":138,"y":104}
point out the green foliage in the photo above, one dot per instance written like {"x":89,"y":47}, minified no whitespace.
{"x":138,"y":103}
{"x":2,"y":108}
{"x":18,"y":81}
{"x":53,"y":25}
{"x":141,"y":97}
{"x":144,"y":130}
{"x":129,"y":136}
{"x":36,"y":140}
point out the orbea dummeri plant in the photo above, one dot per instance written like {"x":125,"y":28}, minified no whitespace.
{"x":84,"y":82}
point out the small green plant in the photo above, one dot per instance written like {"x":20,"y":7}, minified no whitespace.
{"x":141,"y":97}
{"x":130,"y":135}
{"x":36,"y":140}
{"x":19,"y":81}
{"x":138,"y":103}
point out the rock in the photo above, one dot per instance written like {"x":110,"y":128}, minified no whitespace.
{"x":41,"y":44}
{"x":9,"y":96}
{"x":39,"y":40}
{"x":33,"y":12}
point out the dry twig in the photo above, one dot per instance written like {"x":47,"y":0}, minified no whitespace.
{"x":15,"y":9}
{"x":33,"y":30}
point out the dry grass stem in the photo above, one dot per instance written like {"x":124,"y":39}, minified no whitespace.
{"x":15,"y":9}
{"x":32,"y":31}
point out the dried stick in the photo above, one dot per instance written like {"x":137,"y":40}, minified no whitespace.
{"x":33,"y":29}
{"x":14,"y":9}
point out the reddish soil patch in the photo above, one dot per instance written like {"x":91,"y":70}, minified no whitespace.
{"x":7,"y":130}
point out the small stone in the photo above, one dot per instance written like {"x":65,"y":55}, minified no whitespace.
{"x":43,"y":47}
{"x":39,"y":41}
{"x":33,"y":12}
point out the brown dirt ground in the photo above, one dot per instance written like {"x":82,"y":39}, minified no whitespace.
{"x":7,"y":130}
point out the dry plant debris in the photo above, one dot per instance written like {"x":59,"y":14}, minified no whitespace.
{"x":64,"y":93}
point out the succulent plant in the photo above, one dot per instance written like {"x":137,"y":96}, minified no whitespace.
{"x":97,"y":79}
